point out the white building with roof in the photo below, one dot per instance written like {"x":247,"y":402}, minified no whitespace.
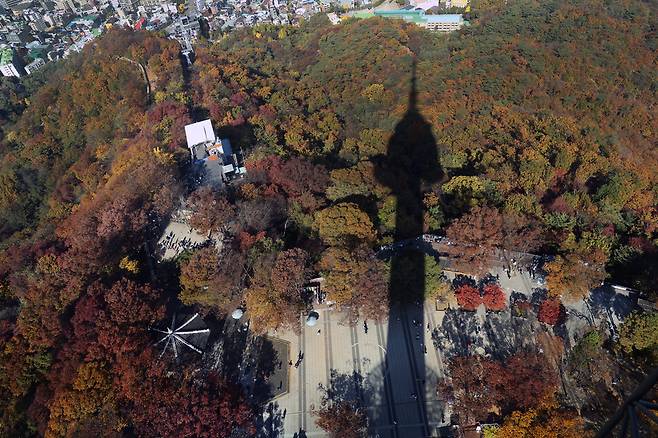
{"x":437,"y":23}
{"x":217,"y":161}
{"x":35,"y":65}
{"x":199,"y":132}
{"x":9,"y":64}
{"x":444,"y":22}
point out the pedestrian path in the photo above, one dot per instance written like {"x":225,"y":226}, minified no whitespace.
{"x":398,"y":378}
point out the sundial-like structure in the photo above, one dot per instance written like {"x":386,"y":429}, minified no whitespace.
{"x":191,"y":334}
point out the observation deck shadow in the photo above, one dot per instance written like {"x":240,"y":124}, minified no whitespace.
{"x":410,"y":166}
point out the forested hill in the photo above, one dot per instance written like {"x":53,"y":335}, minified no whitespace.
{"x":544,"y":115}
{"x":542,"y":109}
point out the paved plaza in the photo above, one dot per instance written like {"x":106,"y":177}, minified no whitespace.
{"x":393,"y":368}
{"x":178,"y":237}
{"x":388,"y":369}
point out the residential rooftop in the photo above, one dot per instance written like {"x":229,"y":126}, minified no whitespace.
{"x":6,"y":56}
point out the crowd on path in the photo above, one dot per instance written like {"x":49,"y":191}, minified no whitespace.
{"x":171,"y":242}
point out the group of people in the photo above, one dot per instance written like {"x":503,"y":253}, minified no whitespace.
{"x":178,"y":245}
{"x":300,"y":357}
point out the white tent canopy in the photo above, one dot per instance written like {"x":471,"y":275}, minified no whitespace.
{"x":193,"y":337}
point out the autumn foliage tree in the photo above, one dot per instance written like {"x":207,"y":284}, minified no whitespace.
{"x":98,"y":173}
{"x":111,"y":321}
{"x":493,"y":297}
{"x":483,"y":230}
{"x":166,"y":123}
{"x":205,"y":406}
{"x":477,"y":233}
{"x":551,"y":311}
{"x":341,"y":419}
{"x":344,"y":224}
{"x":212,"y":280}
{"x":302,"y":181}
{"x":340,"y":412}
{"x":90,"y":399}
{"x":443,"y":293}
{"x":546,"y":421}
{"x":108,"y":325}
{"x":476,"y":387}
{"x":572,"y":278}
{"x":639,"y":334}
{"x":275,"y":296}
{"x":468,"y":297}
{"x":282,"y":192}
{"x":481,"y":386}
{"x":210,"y":210}
{"x":356,"y":281}
{"x":530,"y":379}
{"x":537,"y":159}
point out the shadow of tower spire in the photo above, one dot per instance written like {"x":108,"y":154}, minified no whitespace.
{"x":410,"y":166}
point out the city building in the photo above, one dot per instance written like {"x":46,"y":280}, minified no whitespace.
{"x":12,"y":4}
{"x":150,"y":3}
{"x":438,"y":23}
{"x":34,"y":66}
{"x":425,"y":5}
{"x":19,"y":37}
{"x":9,"y":64}
{"x":428,"y":4}
{"x":444,"y":22}
{"x":37,"y":23}
{"x":457,"y":3}
{"x":128,"y":5}
{"x":65,"y":5}
{"x":53,"y":29}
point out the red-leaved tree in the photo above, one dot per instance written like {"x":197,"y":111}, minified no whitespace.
{"x":183,"y":406}
{"x":342,"y":420}
{"x":477,"y":387}
{"x":530,"y":379}
{"x":550,"y":311}
{"x":468,"y":297}
{"x":494,"y":297}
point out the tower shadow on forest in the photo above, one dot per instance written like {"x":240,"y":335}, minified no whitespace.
{"x":410,"y":166}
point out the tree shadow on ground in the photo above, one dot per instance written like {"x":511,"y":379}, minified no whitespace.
{"x":270,"y":423}
{"x":500,"y":334}
{"x":250,"y":360}
{"x":507,"y":335}
{"x":345,"y":387}
{"x":606,"y":301}
{"x":453,"y":337}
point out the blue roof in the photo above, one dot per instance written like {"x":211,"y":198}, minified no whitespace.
{"x":226,"y":146}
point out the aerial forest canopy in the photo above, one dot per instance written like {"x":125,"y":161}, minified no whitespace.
{"x":544,"y":115}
